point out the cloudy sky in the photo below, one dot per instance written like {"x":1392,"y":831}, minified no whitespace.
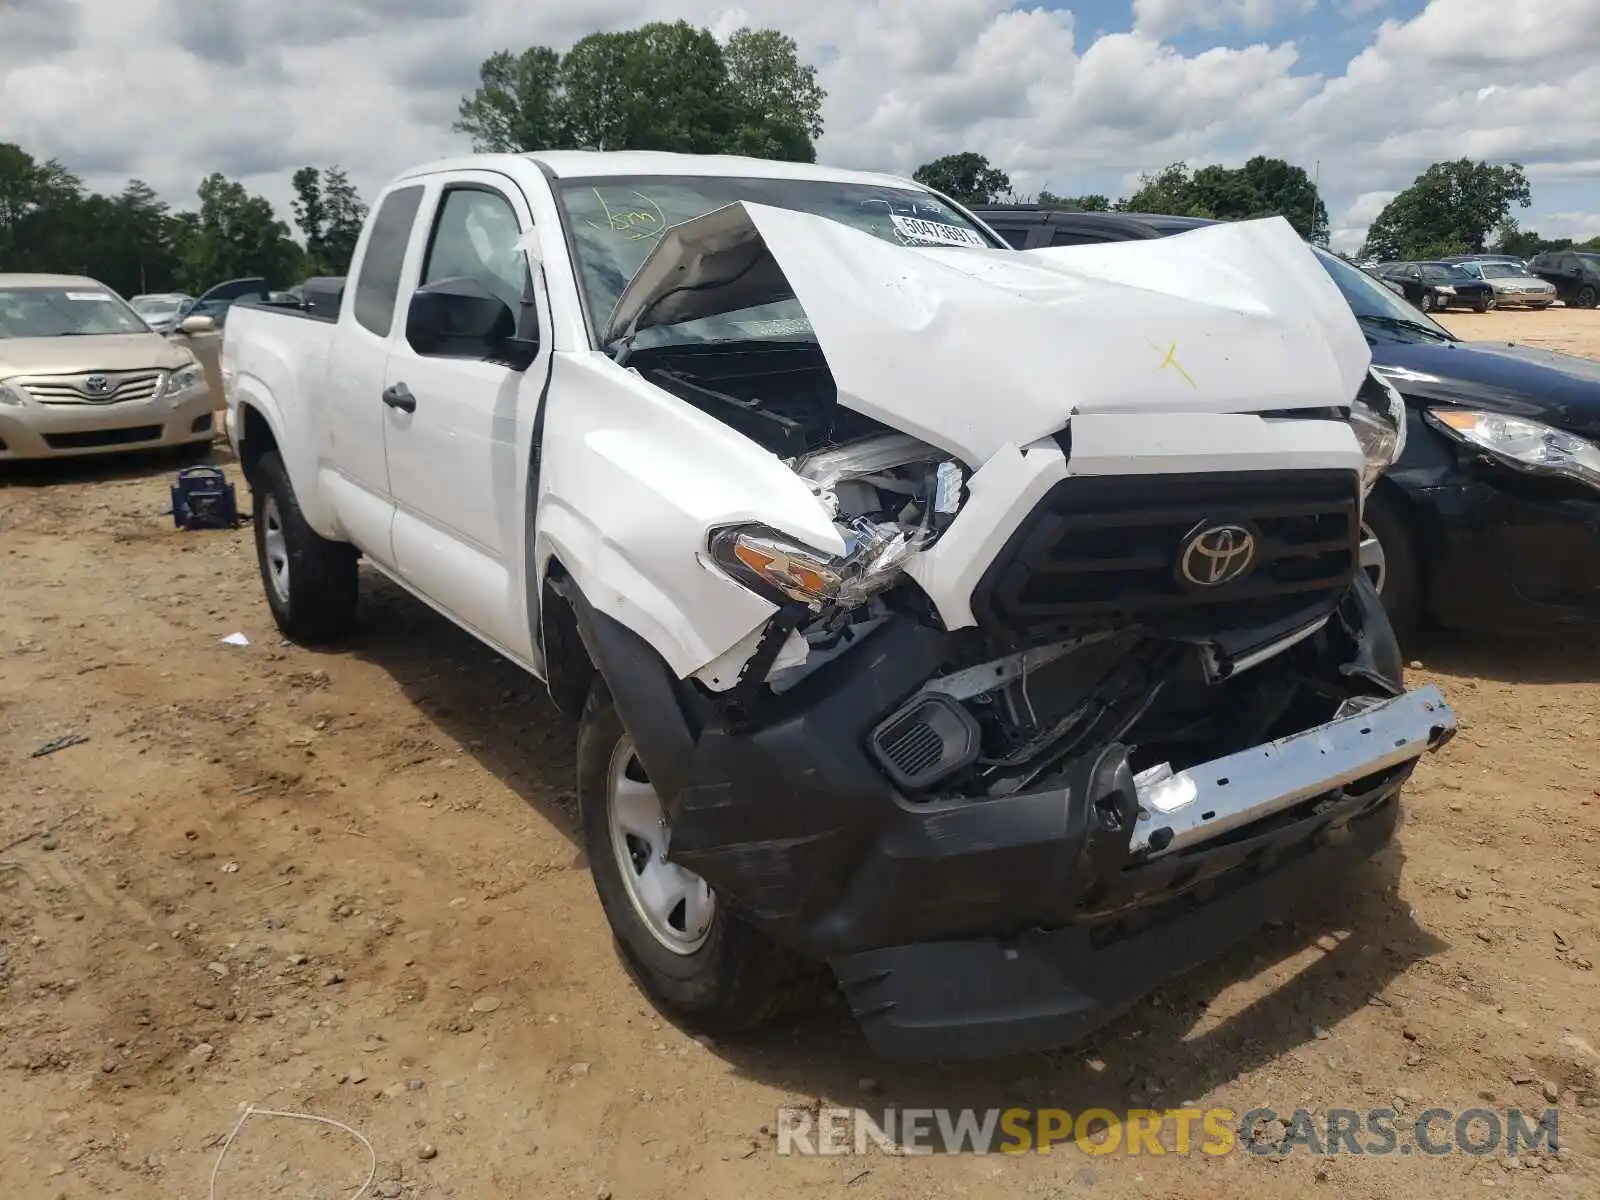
{"x":1073,"y":95}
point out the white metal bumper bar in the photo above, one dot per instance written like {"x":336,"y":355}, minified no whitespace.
{"x":1207,"y":800}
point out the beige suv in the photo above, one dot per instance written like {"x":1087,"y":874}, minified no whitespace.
{"x":81,"y":373}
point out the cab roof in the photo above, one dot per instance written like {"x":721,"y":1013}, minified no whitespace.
{"x":588,"y":164}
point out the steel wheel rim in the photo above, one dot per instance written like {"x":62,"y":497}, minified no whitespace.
{"x":1372,"y":558}
{"x":275,"y":549}
{"x":675,"y":905}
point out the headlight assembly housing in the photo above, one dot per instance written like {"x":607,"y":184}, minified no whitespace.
{"x":1378,"y":416}
{"x":1522,"y":444}
{"x":185,"y":377}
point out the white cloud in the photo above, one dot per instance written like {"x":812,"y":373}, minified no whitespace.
{"x":1579,"y":226}
{"x":1349,"y":228}
{"x":1162,"y":18}
{"x":169,"y":91}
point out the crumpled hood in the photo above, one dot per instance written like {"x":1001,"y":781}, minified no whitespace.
{"x":73,"y":355}
{"x":975,"y":349}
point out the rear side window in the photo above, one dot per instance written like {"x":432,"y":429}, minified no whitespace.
{"x":1015,"y":236}
{"x":379,"y":282}
{"x":1069,"y":237}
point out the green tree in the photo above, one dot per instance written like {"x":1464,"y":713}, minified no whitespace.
{"x":346,"y":212}
{"x":1263,"y":187}
{"x":1090,"y":203}
{"x":518,"y":105}
{"x":39,"y":214}
{"x":1169,"y":191}
{"x":1452,"y":207}
{"x":329,"y":213}
{"x":967,"y":178}
{"x":663,"y":86}
{"x":236,"y":234}
{"x":776,"y":100}
{"x":310,"y":214}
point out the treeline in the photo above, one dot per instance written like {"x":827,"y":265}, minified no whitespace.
{"x":1460,"y":207}
{"x":1263,"y":187}
{"x":135,"y":242}
{"x":663,"y":86}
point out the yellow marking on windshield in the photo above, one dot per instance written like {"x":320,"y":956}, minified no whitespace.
{"x":638,"y":223}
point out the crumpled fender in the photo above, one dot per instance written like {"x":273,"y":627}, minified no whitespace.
{"x":631,"y":487}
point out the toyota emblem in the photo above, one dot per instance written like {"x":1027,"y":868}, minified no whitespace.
{"x":1217,"y":554}
{"x":97,"y":385}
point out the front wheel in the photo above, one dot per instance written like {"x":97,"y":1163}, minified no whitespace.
{"x":1426,"y":304}
{"x":310,"y":582}
{"x":685,"y":949}
{"x":1389,"y":557}
{"x":1586,"y":297}
{"x":1482,"y":305}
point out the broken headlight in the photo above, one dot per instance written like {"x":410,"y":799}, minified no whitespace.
{"x":1378,"y":416}
{"x":1518,"y":442}
{"x":781,"y":569}
{"x":889,"y":496}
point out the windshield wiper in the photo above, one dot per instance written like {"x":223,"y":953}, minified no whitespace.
{"x":1405,"y":323}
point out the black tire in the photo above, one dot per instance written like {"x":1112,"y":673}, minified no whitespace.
{"x":1426,"y":304}
{"x":317,"y":601}
{"x":1402,"y":589}
{"x":737,"y":979}
{"x":1482,"y":305}
{"x":1586,"y":297}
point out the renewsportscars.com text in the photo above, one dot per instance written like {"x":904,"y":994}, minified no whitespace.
{"x":1375,"y":1132}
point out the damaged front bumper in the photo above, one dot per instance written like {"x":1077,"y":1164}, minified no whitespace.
{"x":998,"y":924}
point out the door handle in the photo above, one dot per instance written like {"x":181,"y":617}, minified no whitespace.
{"x":399,"y":396}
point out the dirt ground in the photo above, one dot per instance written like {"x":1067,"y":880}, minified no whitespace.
{"x":345,"y":884}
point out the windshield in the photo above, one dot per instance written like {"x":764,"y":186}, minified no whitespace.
{"x":613,"y":224}
{"x":1445,"y":273}
{"x":41,"y":312}
{"x":157,"y":307}
{"x":1371,"y":301}
{"x":1500,"y":271}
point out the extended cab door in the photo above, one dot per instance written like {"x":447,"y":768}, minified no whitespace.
{"x":458,"y":430}
{"x":355,"y":471}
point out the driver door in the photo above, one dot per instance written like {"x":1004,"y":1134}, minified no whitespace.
{"x":458,"y":431}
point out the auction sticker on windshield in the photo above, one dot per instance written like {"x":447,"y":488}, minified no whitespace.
{"x":87,"y":296}
{"x":936,"y":233}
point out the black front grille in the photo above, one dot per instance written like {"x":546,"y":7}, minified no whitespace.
{"x":103,"y":437}
{"x":1100,"y":549}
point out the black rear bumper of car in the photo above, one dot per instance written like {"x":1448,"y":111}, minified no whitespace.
{"x":796,"y":828}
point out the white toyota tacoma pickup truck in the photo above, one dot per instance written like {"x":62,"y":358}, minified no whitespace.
{"x":983,"y":629}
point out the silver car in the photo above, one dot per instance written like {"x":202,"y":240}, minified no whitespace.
{"x":1513,"y":285}
{"x":81,"y":373}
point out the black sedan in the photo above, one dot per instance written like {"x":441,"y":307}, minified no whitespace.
{"x":1439,"y":285}
{"x":1491,"y":518}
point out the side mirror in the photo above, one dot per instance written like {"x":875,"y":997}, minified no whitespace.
{"x":194,"y":325}
{"x":460,"y":318}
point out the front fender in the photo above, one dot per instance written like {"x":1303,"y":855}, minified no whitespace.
{"x":633,"y":482}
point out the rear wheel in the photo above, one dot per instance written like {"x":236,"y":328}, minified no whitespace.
{"x":1586,"y":296}
{"x":310,"y":581}
{"x":690,"y":954}
{"x":1389,"y":557}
